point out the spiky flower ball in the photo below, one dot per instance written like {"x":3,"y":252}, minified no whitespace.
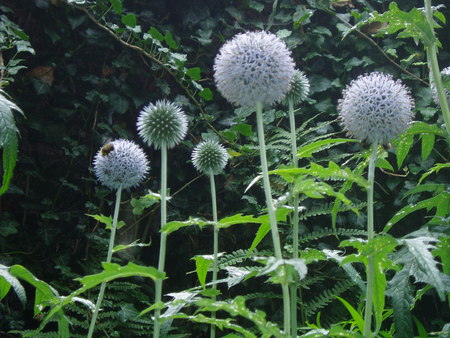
{"x":162,"y":124}
{"x":209,"y":157}
{"x":375,"y":108}
{"x":120,"y":164}
{"x":445,"y":73}
{"x":299,"y":88}
{"x":254,"y":67}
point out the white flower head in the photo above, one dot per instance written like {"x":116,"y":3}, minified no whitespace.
{"x":162,"y":124}
{"x":375,"y":108}
{"x":299,"y":88}
{"x":444,"y":73}
{"x":120,"y":164}
{"x":209,"y":157}
{"x":254,"y":67}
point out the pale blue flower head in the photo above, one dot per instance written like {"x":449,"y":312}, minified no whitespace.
{"x":209,"y":157}
{"x":120,"y":164}
{"x":375,"y":108}
{"x":299,"y":88}
{"x":254,"y":67}
{"x":162,"y":124}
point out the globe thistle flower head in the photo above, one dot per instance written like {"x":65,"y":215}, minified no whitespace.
{"x":120,"y":164}
{"x":254,"y":67}
{"x":375,"y":108}
{"x":445,"y":73}
{"x":162,"y":124}
{"x":209,"y":157}
{"x":299,"y":88}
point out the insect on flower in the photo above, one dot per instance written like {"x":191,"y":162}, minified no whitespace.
{"x":106,"y":149}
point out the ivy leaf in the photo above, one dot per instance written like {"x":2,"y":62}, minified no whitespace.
{"x":243,"y":129}
{"x":206,"y":94}
{"x":129,"y":20}
{"x":156,"y":34}
{"x":194,"y":73}
{"x":117,"y":5}
{"x":168,"y":38}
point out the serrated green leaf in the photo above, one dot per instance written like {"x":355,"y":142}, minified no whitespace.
{"x":170,"y":227}
{"x":402,"y":148}
{"x":441,"y":202}
{"x":194,"y":73}
{"x":427,"y":145}
{"x":131,"y":245}
{"x":7,"y":280}
{"x":435,"y":169}
{"x":238,"y":219}
{"x":202,"y":265}
{"x":309,"y":149}
{"x":117,"y":5}
{"x":129,"y":20}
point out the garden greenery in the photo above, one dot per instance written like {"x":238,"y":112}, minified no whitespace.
{"x":320,"y":234}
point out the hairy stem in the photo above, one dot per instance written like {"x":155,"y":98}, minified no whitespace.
{"x":370,"y":236}
{"x":108,"y":260}
{"x":163,"y":240}
{"x":271,"y":211}
{"x":216,"y":244}
{"x":295,"y":231}
{"x":435,"y":72}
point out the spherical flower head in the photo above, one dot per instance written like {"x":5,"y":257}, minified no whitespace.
{"x":375,"y":108}
{"x":120,"y":164}
{"x":299,"y":88}
{"x":254,"y":67}
{"x":209,"y":157}
{"x":162,"y":124}
{"x":445,"y":73}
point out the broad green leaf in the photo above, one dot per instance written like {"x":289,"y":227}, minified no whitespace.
{"x":354,"y":313}
{"x":131,"y":245}
{"x":129,"y":20}
{"x":170,"y":41}
{"x":402,"y":148}
{"x":427,"y":145}
{"x":243,"y":129}
{"x":263,"y":230}
{"x":176,"y":225}
{"x":422,"y":128}
{"x":144,"y":202}
{"x":117,"y":5}
{"x":194,"y":73}
{"x":441,"y":202}
{"x":309,"y":149}
{"x":202,"y":265}
{"x":107,"y":221}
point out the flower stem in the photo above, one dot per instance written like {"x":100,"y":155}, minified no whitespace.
{"x":370,"y":236}
{"x":271,"y":211}
{"x":216,"y":245}
{"x":295,"y":230}
{"x":163,"y":240}
{"x":435,"y":72}
{"x":108,"y":260}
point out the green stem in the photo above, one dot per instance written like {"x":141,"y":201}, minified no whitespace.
{"x":216,"y":245}
{"x":295,"y":231}
{"x":108,"y":260}
{"x":436,"y":74}
{"x":163,"y":240}
{"x":271,"y":211}
{"x":370,"y":236}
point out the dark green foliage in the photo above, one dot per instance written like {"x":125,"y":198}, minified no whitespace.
{"x":83,"y":71}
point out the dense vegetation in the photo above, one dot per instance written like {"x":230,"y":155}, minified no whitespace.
{"x":81,"y":71}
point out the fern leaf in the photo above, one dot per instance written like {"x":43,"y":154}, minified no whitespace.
{"x":311,"y":148}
